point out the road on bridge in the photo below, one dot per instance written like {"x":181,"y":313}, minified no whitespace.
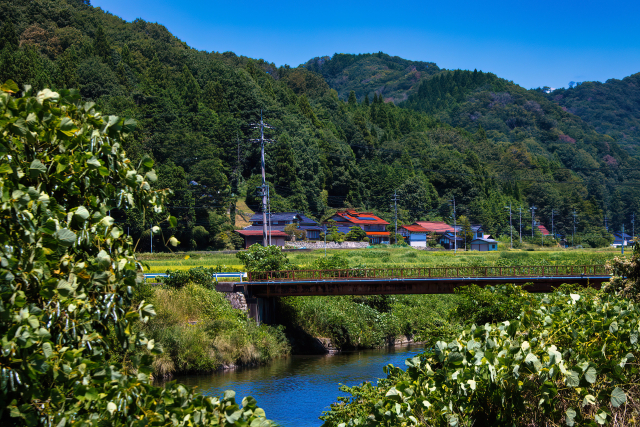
{"x":418,"y":280}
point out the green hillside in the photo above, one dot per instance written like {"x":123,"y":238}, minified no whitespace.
{"x":195,"y":112}
{"x":613,"y":107}
{"x":372,"y":73}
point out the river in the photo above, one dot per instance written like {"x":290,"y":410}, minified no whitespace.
{"x":294,"y":391}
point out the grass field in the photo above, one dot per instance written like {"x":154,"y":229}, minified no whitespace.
{"x":390,"y":257}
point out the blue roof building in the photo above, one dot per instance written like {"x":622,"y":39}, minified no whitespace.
{"x":280,"y":220}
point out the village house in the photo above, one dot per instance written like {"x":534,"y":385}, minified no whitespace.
{"x":278,"y":221}
{"x":485,"y":243}
{"x":622,"y":239}
{"x":414,"y":235}
{"x":373,"y":226}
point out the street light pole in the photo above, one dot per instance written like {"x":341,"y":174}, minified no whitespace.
{"x":510,"y":226}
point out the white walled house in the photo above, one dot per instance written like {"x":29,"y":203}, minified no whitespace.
{"x":415,"y":235}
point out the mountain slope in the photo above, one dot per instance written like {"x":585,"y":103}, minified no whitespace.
{"x":372,"y":73}
{"x":196,"y":110}
{"x":613,"y":107}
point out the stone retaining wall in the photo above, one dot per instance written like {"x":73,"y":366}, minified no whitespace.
{"x":330,"y":245}
{"x":237,"y":300}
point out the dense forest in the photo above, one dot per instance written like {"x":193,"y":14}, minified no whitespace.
{"x":338,"y":140}
{"x":613,"y":107}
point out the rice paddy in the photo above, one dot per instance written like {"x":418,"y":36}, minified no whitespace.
{"x":381,"y":257}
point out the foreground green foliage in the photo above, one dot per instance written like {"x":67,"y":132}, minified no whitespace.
{"x":570,"y":359}
{"x":68,"y":275}
{"x":201,"y":333}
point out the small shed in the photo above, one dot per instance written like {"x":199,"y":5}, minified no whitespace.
{"x":484,"y":244}
{"x":415,"y":235}
{"x":252,"y":237}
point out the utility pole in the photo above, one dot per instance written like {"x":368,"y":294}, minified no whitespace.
{"x":622,"y":245}
{"x":533,"y":221}
{"x":510,"y":227}
{"x":263,"y":187}
{"x":455,"y":227}
{"x":151,"y":235}
{"x":520,"y":223}
{"x":633,"y":227}
{"x":395,"y":208}
{"x":325,"y":239}
{"x":574,"y":227}
{"x":269,"y":205}
{"x":553,"y":230}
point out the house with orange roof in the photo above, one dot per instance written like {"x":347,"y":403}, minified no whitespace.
{"x":415,"y":235}
{"x":374,"y":226}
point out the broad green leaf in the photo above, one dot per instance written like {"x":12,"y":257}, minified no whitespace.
{"x":103,"y":171}
{"x":601,"y":418}
{"x":47,"y":350}
{"x":573,"y":379}
{"x":173,"y":241}
{"x":37,"y":168}
{"x":5,"y":168}
{"x":94,"y":162}
{"x":618,"y":397}
{"x":129,"y":125}
{"x":82,"y":213}
{"x":570,"y":416}
{"x":10,"y":87}
{"x":67,"y":126}
{"x":613,"y":328}
{"x":173,"y":222}
{"x":65,"y":236}
{"x":590,"y":375}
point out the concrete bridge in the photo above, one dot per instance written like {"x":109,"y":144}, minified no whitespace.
{"x":261,"y":288}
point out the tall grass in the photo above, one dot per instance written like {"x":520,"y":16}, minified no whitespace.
{"x":201,"y":332}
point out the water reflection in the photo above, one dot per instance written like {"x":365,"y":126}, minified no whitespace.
{"x":295,"y":391}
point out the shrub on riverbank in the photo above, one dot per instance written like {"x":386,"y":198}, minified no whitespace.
{"x":569,"y":358}
{"x":370,"y":321}
{"x":200,"y":332}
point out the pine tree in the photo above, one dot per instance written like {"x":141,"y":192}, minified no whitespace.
{"x":190,"y":90}
{"x":366,"y":100}
{"x":352,"y":99}
{"x":8,"y":37}
{"x":213,"y":97}
{"x":101,"y":45}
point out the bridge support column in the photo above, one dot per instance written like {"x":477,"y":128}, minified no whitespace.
{"x":262,"y":310}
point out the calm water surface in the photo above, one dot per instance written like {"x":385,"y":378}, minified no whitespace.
{"x":295,"y":391}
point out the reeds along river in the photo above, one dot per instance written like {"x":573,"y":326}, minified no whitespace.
{"x":294,"y":391}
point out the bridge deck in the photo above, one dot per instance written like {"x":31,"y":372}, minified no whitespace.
{"x":390,"y":286}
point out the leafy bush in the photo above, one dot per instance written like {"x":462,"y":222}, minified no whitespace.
{"x":478,"y":305}
{"x":626,"y":275}
{"x":198,"y":275}
{"x":569,"y":358}
{"x":261,"y":258}
{"x":68,"y":275}
{"x":334,"y":262}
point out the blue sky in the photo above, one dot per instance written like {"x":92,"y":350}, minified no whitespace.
{"x":533,"y":43}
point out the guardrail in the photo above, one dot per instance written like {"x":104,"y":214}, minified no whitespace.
{"x":430,"y":272}
{"x":237,"y":274}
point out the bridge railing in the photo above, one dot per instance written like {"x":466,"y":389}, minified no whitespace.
{"x":429,"y":272}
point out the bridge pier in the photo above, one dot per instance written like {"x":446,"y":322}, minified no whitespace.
{"x":262,"y":310}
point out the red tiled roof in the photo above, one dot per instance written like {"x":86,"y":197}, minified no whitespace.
{"x":275,"y":233}
{"x":413,"y":227}
{"x":378,"y":233}
{"x":435,"y":226}
{"x":360,"y":217}
{"x":543,"y":230}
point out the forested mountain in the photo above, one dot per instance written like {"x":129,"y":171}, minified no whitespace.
{"x":195,"y":112}
{"x":372,"y":73}
{"x":612,"y":107}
